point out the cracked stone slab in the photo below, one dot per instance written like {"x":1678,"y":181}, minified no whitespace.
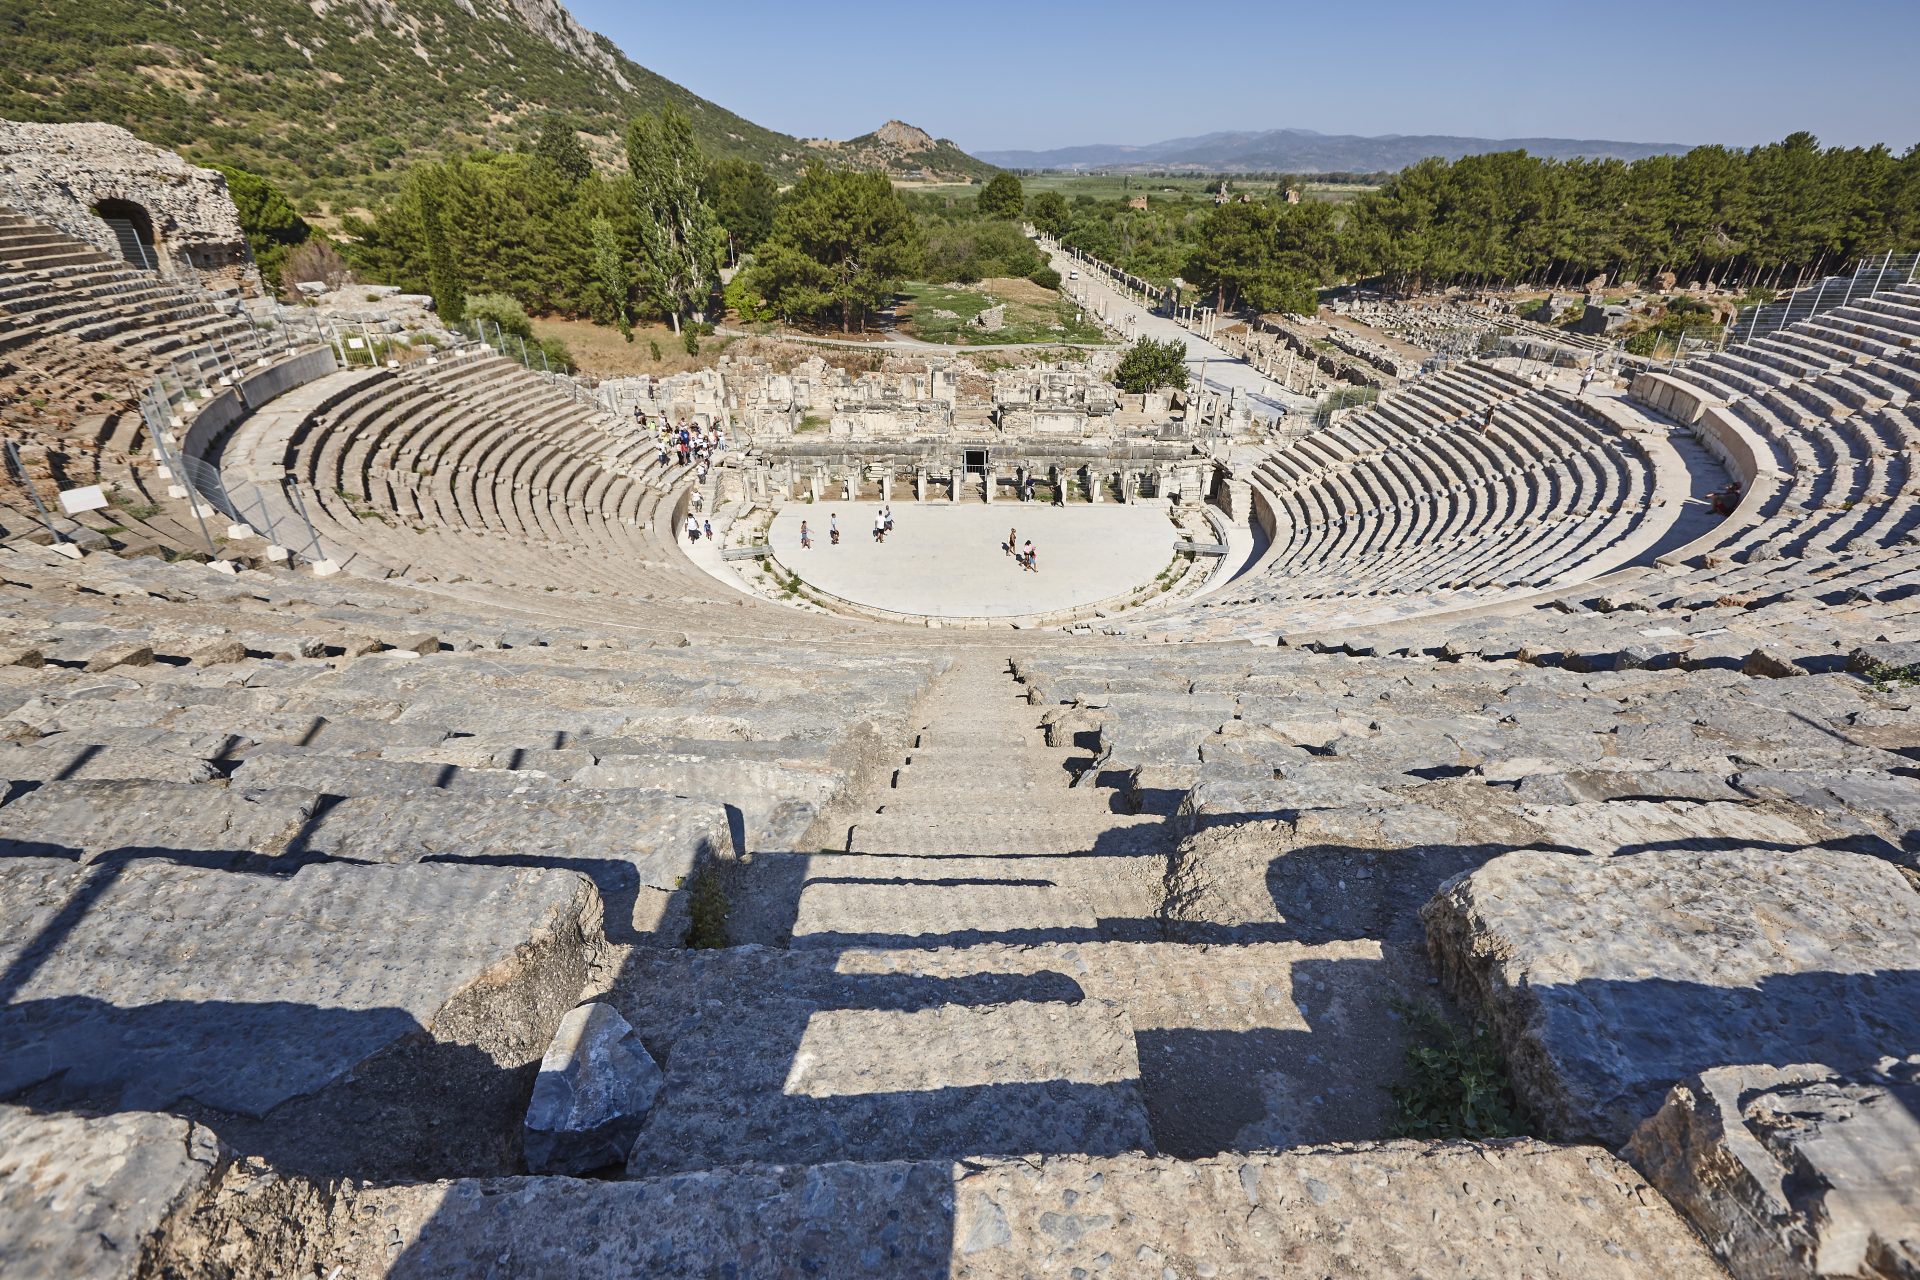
{"x":80,"y":1197}
{"x":1611,"y":978}
{"x":345,"y":1017}
{"x":1796,"y":1171}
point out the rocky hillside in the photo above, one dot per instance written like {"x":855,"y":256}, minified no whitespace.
{"x":334,"y":98}
{"x":909,"y":153}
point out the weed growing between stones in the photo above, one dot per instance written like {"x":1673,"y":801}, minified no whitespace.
{"x":708,"y":907}
{"x":1886,"y":678}
{"x":1456,"y":1083}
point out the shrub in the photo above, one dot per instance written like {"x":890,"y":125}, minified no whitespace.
{"x":1456,"y":1084}
{"x":1150,"y":365}
{"x":498,"y":310}
{"x":1046,"y":278}
{"x":313,"y":259}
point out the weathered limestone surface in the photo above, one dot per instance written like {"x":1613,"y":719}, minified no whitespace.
{"x":167,"y":819}
{"x":57,"y":173}
{"x":1611,"y":978}
{"x":1794,"y":1171}
{"x":79,"y":1197}
{"x":595,"y":1086}
{"x":640,"y":848}
{"x":371,"y":1018}
{"x":1521,"y":1209}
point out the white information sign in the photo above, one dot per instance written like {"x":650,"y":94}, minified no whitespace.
{"x":88,"y":498}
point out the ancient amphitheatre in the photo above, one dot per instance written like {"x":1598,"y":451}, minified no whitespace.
{"x":1467,"y":831}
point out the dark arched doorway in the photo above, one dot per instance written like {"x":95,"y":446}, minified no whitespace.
{"x":132,"y":228}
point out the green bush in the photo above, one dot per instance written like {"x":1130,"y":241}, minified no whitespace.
{"x":1150,"y":365}
{"x":498,"y":310}
{"x":1046,"y":278}
{"x":1456,"y":1083}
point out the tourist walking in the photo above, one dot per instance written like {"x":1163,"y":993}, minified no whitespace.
{"x":806,"y":539}
{"x":833,"y":529}
{"x":886,"y":514}
{"x":693,"y":529}
{"x":879,"y":527}
{"x":1029,"y":558}
{"x":1586,"y":379}
{"x":1486,"y":423}
{"x":1012,"y":546}
{"x":706,"y":529}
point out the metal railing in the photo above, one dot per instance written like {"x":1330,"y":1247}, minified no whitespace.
{"x":1868,"y":277}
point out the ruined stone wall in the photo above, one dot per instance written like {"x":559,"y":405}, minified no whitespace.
{"x":61,"y":173}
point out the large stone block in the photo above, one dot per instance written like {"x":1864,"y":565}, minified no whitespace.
{"x":1445,"y":1211}
{"x":375,"y":1020}
{"x":1611,"y":978}
{"x":80,"y":1197}
{"x":1794,"y":1171}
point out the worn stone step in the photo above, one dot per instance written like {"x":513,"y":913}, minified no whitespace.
{"x":1443,"y":1210}
{"x":917,"y":829}
{"x":826,"y":1068}
{"x":876,"y":901}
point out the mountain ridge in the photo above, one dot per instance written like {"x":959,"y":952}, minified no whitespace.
{"x":1305,"y":150}
{"x":334,"y":99}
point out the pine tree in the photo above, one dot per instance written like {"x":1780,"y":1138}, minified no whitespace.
{"x":559,"y":148}
{"x":443,"y":272}
{"x":678,"y":235}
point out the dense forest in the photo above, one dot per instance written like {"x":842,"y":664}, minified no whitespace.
{"x":1771,"y":216}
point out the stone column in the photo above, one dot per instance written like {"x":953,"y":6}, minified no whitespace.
{"x":1093,"y":485}
{"x":919,"y":484}
{"x":988,"y":477}
{"x":1163,"y":482}
{"x":959,"y":484}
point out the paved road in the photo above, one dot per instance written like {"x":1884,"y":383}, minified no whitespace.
{"x":1223,"y":371}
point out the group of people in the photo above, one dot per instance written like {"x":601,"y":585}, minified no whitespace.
{"x":882,"y":526}
{"x":688,"y":444}
{"x":1727,"y":500}
{"x":698,"y":528}
{"x":1023,"y":553}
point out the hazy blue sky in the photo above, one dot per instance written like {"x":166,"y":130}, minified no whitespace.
{"x":992,"y":74}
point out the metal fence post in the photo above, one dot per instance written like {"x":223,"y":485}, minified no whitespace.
{"x":157,"y":423}
{"x":290,"y":484}
{"x":19,"y":470}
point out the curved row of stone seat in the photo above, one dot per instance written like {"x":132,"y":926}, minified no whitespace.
{"x":1832,"y":402}
{"x":53,"y":286}
{"x":476,"y":468}
{"x":1414,"y":495}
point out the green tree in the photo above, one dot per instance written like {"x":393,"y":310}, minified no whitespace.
{"x":840,"y":243}
{"x":1150,"y":365}
{"x":268,"y":218}
{"x":560,"y":150}
{"x":743,"y":196}
{"x":611,"y":282}
{"x":443,"y":272}
{"x":680,"y":240}
{"x":1002,"y":197}
{"x":1048,"y":211}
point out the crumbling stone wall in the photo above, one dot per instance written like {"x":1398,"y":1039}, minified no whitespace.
{"x":61,"y":173}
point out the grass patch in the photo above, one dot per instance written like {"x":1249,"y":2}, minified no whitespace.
{"x":601,"y":351}
{"x":707,"y":904}
{"x":1456,"y":1083}
{"x":943,"y":313}
{"x":142,"y":510}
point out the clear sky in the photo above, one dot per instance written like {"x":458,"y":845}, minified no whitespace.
{"x":994,"y":74}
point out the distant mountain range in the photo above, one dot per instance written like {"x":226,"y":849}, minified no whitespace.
{"x":1304,"y":151}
